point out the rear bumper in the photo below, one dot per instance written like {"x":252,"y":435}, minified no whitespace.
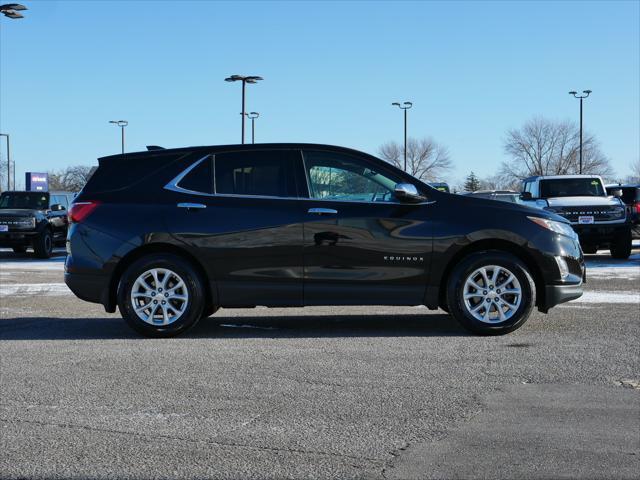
{"x":557,"y":294}
{"x":91,"y":288}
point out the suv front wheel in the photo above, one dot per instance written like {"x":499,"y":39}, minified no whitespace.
{"x":161,"y":295}
{"x":491,"y":293}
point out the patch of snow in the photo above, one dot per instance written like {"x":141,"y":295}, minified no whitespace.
{"x":615,"y":296}
{"x":26,"y":289}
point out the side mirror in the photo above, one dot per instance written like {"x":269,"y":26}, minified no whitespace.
{"x":617,"y":192}
{"x":56,"y":207}
{"x":407,"y":192}
{"x":526,"y":196}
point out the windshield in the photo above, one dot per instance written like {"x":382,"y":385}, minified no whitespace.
{"x":571,"y":187}
{"x":28,"y":200}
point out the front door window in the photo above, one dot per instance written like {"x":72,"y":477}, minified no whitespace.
{"x":335,"y":176}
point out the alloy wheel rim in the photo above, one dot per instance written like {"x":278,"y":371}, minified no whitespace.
{"x":492,"y":294}
{"x":159,"y":296}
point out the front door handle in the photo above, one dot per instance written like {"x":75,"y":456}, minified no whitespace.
{"x":191,"y":206}
{"x":323,"y":211}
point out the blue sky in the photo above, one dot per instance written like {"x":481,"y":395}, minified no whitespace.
{"x":331,"y":69}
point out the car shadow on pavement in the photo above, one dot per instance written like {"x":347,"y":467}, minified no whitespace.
{"x":295,"y":326}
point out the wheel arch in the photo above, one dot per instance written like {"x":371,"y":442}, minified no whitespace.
{"x":111,"y":301}
{"x":495,"y":245}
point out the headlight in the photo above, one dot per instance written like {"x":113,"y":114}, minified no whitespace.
{"x":619,"y":212}
{"x":557,"y":227}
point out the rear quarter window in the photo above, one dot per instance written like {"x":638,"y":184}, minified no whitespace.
{"x":200,"y":178}
{"x":122,"y":172}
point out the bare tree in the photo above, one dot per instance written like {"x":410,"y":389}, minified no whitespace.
{"x":70,"y":179}
{"x":546,"y":147}
{"x":635,"y":172}
{"x":426,"y":159}
{"x":3,"y":175}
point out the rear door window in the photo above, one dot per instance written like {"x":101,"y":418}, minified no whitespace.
{"x":269,"y":173}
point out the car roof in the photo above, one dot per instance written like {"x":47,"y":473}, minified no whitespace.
{"x":234,"y":147}
{"x":557,"y":177}
{"x":505,"y":192}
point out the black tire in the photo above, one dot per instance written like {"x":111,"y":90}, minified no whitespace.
{"x":19,"y":249}
{"x":43,"y":244}
{"x":590,"y":249}
{"x":193,"y":309}
{"x":470,"y":264}
{"x":621,"y":246}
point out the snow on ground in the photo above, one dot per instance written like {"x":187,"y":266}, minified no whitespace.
{"x":41,"y":289}
{"x":616,"y":296}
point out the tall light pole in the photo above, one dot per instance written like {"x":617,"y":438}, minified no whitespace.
{"x":253,"y":116}
{"x":10,"y":10}
{"x":9,"y":163}
{"x":121,"y":124}
{"x":244,"y":79}
{"x":405,"y":106}
{"x":581,"y":97}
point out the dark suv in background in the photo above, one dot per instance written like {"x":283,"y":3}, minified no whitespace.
{"x":169,"y":236}
{"x":34,"y":219}
{"x":630,"y":196}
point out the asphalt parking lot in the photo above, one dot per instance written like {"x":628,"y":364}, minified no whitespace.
{"x":318,"y":393}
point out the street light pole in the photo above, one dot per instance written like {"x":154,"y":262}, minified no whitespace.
{"x":121,"y":124}
{"x":9,"y":163}
{"x":581,"y":97}
{"x":253,"y":116}
{"x":244,"y":79}
{"x":405,"y":106}
{"x":11,"y":10}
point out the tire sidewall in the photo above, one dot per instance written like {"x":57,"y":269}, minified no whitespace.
{"x":471,"y":263}
{"x":621,"y":246}
{"x":193,"y":284}
{"x":43,"y":246}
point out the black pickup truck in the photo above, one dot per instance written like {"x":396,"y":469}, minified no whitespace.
{"x":34,"y":219}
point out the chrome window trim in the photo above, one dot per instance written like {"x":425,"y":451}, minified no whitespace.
{"x":173,"y":186}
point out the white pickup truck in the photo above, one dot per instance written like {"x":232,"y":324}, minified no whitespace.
{"x":600,"y":220}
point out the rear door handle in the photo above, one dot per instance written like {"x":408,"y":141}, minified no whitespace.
{"x":190,"y":206}
{"x":323,"y":211}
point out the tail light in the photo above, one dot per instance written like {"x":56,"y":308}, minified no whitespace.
{"x":81,"y":210}
{"x":637,"y":207}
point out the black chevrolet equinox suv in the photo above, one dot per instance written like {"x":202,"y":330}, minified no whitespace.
{"x":170,"y":236}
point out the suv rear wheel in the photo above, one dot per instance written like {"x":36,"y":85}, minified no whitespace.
{"x":621,"y":245}
{"x":491,"y":293}
{"x":161,"y":295}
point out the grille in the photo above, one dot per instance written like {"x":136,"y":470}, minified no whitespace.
{"x":599,"y":213}
{"x":17,"y":223}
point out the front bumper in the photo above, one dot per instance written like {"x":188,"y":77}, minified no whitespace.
{"x":557,"y":294}
{"x":16,"y":239}
{"x":599,"y":234}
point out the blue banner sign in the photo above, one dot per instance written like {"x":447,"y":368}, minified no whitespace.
{"x":36,"y":182}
